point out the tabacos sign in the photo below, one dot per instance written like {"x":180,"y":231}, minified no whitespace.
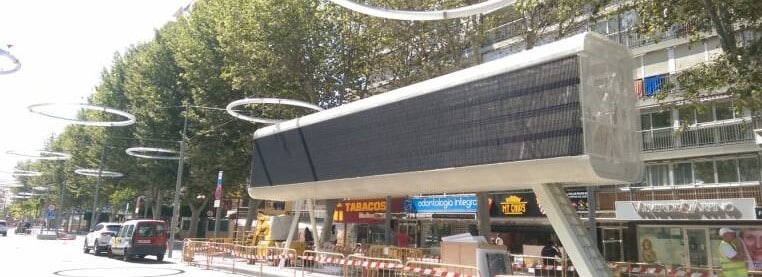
{"x":514,"y":205}
{"x":364,"y":211}
{"x":442,"y":204}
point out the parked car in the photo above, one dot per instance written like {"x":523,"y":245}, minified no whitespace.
{"x":23,"y":228}
{"x":4,"y":228}
{"x":99,"y":238}
{"x":139,"y":238}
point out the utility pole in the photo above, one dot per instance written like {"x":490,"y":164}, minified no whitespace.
{"x":98,"y":186}
{"x":178,"y":184}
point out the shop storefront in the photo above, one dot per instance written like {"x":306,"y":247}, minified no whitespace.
{"x":519,"y":221}
{"x":362,"y":221}
{"x":685,"y":232}
{"x":430,"y":218}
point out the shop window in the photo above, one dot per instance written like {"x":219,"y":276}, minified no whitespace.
{"x":683,"y":173}
{"x":662,"y":245}
{"x":749,"y":169}
{"x":727,"y":171}
{"x":704,"y":172}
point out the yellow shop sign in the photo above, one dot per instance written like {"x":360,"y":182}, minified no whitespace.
{"x":513,"y":205}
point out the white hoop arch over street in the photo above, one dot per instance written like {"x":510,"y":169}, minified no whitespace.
{"x":277,"y":101}
{"x":10,"y":184}
{"x":129,"y":118}
{"x":16,"y":65}
{"x":40,"y":155}
{"x":141,"y":152}
{"x":479,"y":8}
{"x":21,"y":172}
{"x":96,"y":173}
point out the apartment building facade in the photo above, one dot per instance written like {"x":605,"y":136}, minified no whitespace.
{"x":702,"y":168}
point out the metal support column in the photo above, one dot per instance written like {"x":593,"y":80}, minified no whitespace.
{"x":571,"y":231}
{"x":292,"y":230}
{"x":316,"y":236}
{"x":388,"y":222}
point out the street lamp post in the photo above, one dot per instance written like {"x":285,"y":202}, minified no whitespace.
{"x":178,"y":184}
{"x":97,"y":187}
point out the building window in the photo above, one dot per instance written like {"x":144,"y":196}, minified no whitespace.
{"x":657,"y":175}
{"x":704,"y":172}
{"x":683,"y":173}
{"x":749,"y":169}
{"x":727,"y":171}
{"x":715,"y":112}
{"x":657,"y":130}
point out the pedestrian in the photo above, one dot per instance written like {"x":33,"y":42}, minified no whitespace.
{"x":308,"y":238}
{"x":732,"y":254}
{"x":549,"y":253}
{"x":498,"y":240}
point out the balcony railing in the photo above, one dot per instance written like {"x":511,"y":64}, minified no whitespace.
{"x":629,"y":37}
{"x":666,"y":139}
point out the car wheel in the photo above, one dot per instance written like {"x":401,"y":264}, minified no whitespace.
{"x":160,"y":257}
{"x":109,"y":253}
{"x":126,"y":256}
{"x":141,"y":256}
{"x":95,"y":248}
{"x":85,"y":248}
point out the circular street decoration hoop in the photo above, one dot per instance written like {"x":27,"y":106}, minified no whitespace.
{"x":16,"y":64}
{"x":136,"y":151}
{"x":94,"y":172}
{"x":129,"y":118}
{"x":41,"y":155}
{"x":277,"y":101}
{"x":20,"y":172}
{"x":465,"y":11}
{"x":11,"y":184}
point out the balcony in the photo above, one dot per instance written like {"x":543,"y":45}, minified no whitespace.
{"x":667,"y":139}
{"x":757,"y":120}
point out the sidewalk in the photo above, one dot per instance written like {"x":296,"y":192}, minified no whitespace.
{"x":239,"y":266}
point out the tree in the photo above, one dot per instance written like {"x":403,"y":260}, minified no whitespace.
{"x":737,"y":71}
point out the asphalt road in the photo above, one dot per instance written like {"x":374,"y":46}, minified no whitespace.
{"x":25,"y":255}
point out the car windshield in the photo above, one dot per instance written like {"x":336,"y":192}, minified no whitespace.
{"x":113,"y":228}
{"x":2,"y":223}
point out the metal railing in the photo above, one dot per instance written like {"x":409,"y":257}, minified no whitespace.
{"x":322,"y":262}
{"x":239,"y":258}
{"x":356,"y":266}
{"x":671,"y":138}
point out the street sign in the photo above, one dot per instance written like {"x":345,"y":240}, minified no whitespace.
{"x":216,"y":203}
{"x":51,"y":207}
{"x":50,"y":214}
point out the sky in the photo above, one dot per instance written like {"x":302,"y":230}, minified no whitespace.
{"x":63,"y":47}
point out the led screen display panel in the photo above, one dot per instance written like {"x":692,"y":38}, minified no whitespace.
{"x":551,"y":114}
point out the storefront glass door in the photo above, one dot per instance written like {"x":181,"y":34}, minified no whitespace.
{"x":697,"y":243}
{"x":612,"y":244}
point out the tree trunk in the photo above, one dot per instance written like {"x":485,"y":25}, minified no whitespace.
{"x":722,"y":25}
{"x":156,"y":209}
{"x":253,"y":204}
{"x":195,"y":214}
{"x":482,"y":214}
{"x":325,"y":234}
